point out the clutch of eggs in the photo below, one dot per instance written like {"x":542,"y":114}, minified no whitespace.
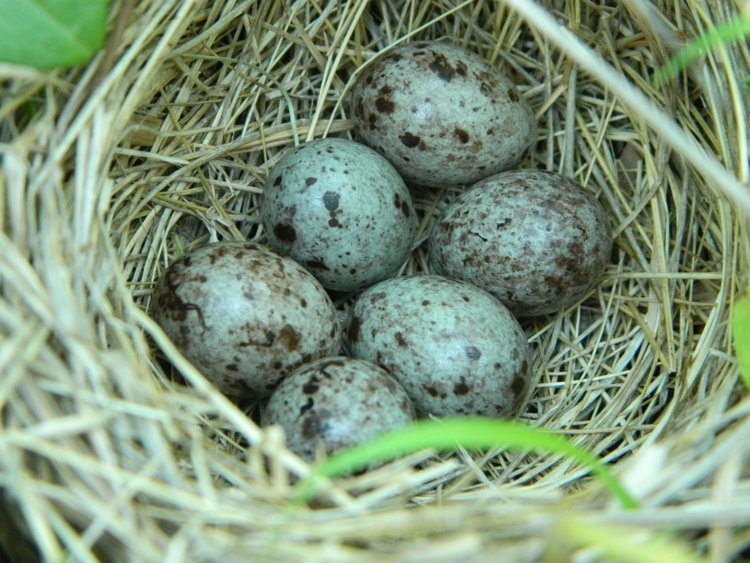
{"x":519,"y":242}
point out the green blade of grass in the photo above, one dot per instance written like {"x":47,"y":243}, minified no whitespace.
{"x":733,"y":30}
{"x":49,"y":34}
{"x":449,"y":435}
{"x":741,"y":336}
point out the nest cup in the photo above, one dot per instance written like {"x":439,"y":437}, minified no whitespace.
{"x":113,"y":447}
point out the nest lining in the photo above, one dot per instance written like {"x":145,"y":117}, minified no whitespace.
{"x":163,"y":142}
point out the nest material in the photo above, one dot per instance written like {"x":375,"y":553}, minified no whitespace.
{"x":114,"y":447}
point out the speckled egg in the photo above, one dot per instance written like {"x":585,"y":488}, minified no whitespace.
{"x":441,"y":114}
{"x":455,"y":348}
{"x":244,"y":315}
{"x":333,"y":403}
{"x":340,"y":209}
{"x":536,"y":240}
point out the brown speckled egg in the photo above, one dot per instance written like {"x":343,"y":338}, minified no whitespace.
{"x":340,"y":209}
{"x":455,"y":348}
{"x":441,"y":114}
{"x":536,"y":240}
{"x":333,"y":403}
{"x":244,"y":315}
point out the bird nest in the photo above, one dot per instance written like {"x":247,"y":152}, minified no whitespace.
{"x":113,"y":447}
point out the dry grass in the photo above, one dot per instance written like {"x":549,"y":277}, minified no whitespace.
{"x":163,"y":142}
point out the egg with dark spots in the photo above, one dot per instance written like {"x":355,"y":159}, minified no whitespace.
{"x":340,"y":209}
{"x":455,"y":348}
{"x":441,"y":114}
{"x":244,"y":315}
{"x":536,"y":240}
{"x":333,"y":403}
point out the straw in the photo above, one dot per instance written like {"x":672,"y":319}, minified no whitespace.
{"x":114,"y":447}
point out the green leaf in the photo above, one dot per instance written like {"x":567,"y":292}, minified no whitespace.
{"x":733,"y":30}
{"x":448,"y":435}
{"x":49,"y":34}
{"x":741,"y":334}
